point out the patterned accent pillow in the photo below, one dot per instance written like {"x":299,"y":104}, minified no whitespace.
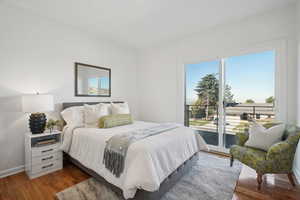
{"x":110,"y":121}
{"x":93,"y":112}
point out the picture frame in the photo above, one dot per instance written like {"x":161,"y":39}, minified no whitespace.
{"x":92,"y":81}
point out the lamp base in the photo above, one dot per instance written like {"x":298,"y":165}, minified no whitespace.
{"x":37,"y":123}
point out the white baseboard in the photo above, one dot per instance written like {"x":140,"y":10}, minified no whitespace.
{"x":11,"y":171}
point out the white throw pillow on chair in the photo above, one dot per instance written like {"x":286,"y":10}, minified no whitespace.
{"x":263,"y":138}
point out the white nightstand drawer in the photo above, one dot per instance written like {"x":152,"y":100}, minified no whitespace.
{"x":46,"y":158}
{"x":42,"y":156}
{"x":41,"y":151}
{"x":46,"y":167}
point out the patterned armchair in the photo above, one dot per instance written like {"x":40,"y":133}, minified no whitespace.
{"x":278,"y":159}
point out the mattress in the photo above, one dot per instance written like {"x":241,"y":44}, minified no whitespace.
{"x":148,"y":161}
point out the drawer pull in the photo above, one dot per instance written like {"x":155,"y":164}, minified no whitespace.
{"x":46,"y":166}
{"x":48,"y":158}
{"x":48,"y":150}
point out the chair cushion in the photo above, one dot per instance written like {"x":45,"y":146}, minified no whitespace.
{"x":278,"y":159}
{"x":254,"y":158}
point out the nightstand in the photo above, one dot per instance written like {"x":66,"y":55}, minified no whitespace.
{"x":42,"y":153}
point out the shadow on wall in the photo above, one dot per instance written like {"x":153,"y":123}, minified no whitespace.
{"x":13,"y":122}
{"x":56,"y":113}
{"x":11,"y":104}
{"x":12,"y":117}
{"x":13,"y":125}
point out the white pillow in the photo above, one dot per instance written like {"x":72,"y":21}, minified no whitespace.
{"x":92,"y":113}
{"x":74,"y":115}
{"x":120,"y":108}
{"x":262,"y":138}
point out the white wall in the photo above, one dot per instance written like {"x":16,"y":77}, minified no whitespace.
{"x":298,"y":37}
{"x":297,"y":157}
{"x":38,"y":54}
{"x":161,"y":72}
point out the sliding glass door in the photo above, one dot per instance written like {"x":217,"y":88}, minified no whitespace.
{"x":222,"y":96}
{"x":202,"y":112}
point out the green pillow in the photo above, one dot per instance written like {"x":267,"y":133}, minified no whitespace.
{"x":110,"y":121}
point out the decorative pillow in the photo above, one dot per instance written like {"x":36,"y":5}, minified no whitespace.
{"x":120,"y":108}
{"x":74,"y":115}
{"x":93,"y":112}
{"x":262,"y":138}
{"x":110,"y":121}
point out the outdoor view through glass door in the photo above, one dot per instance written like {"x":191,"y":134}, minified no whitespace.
{"x":222,"y":96}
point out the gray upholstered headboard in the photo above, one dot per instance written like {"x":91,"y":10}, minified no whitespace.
{"x":71,"y":104}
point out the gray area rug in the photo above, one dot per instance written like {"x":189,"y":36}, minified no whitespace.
{"x":210,"y":179}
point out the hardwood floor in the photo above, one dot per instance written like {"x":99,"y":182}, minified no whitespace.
{"x":274,"y":187}
{"x":18,"y":186}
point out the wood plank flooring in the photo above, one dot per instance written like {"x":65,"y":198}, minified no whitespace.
{"x":19,"y":187}
{"x":274,"y":187}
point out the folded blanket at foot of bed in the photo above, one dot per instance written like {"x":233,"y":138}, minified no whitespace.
{"x":117,"y":146}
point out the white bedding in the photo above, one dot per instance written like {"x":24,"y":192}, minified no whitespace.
{"x":148,"y":161}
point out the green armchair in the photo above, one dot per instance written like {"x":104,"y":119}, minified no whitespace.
{"x":278,"y":159}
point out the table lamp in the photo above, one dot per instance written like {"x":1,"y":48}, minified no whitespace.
{"x":37,"y":105}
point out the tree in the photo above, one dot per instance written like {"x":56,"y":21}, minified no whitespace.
{"x":195,"y":108}
{"x":270,"y":99}
{"x":208,"y":92}
{"x":249,"y":101}
{"x":228,"y":96}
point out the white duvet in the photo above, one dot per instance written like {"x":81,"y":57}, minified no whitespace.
{"x":148,"y":161}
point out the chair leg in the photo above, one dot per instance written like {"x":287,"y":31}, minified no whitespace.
{"x":290,"y":175}
{"x":259,"y":180}
{"x":231,"y":160}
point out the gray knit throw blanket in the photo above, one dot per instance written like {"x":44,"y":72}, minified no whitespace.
{"x":116,"y":147}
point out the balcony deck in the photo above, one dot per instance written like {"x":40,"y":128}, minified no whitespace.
{"x":234,"y":123}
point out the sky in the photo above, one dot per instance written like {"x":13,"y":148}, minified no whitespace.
{"x":93,"y":82}
{"x":250,"y":76}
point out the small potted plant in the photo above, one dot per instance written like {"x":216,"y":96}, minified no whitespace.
{"x":51,"y":123}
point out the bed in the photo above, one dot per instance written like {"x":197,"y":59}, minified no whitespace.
{"x":152,"y":166}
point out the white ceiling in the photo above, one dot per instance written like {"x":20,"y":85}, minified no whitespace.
{"x":142,"y":23}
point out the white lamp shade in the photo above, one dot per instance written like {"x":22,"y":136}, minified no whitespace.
{"x":37,"y":103}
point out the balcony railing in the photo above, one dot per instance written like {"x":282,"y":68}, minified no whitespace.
{"x":244,"y":111}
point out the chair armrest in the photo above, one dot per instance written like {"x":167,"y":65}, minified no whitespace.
{"x":242,"y":138}
{"x":279,"y":151}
